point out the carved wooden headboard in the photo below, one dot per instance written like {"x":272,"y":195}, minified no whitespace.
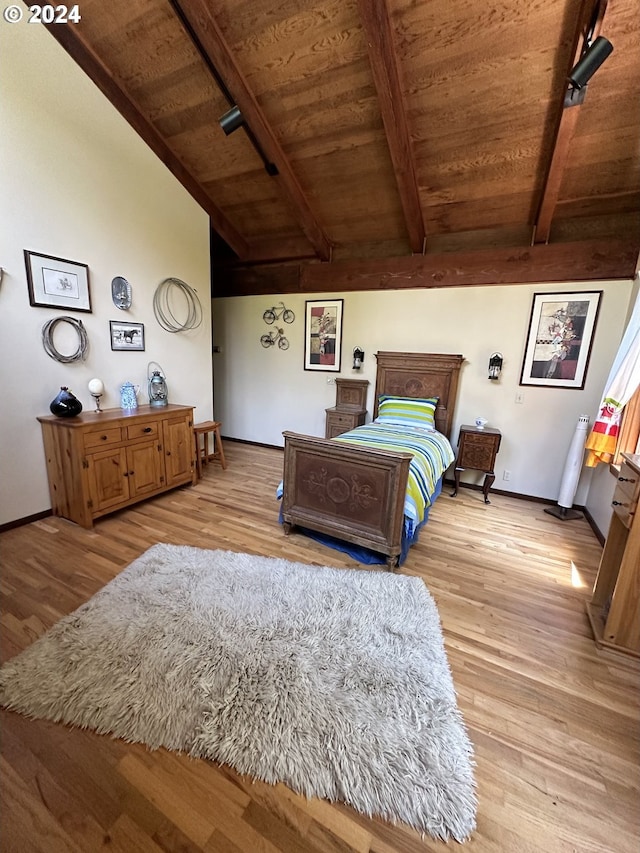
{"x":419,"y":374}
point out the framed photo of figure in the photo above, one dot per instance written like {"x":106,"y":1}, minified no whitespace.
{"x":558,"y":346}
{"x":323,"y":334}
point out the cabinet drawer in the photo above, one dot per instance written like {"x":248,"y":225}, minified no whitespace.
{"x":102,"y":437}
{"x":150,"y":429}
{"x":625,"y":497}
{"x":628,"y":482}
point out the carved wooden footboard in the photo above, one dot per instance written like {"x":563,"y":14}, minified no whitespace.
{"x":353,"y":493}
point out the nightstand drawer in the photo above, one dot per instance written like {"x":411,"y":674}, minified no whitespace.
{"x":342,"y":420}
{"x":478,"y":450}
{"x":338,"y":422}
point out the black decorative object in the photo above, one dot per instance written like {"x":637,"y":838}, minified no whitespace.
{"x":66,"y":404}
{"x":495,"y":366}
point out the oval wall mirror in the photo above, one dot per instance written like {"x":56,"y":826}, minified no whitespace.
{"x":121,"y":293}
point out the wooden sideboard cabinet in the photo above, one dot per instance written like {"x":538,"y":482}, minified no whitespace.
{"x":614,"y":609}
{"x":350,"y":410}
{"x":101,"y":462}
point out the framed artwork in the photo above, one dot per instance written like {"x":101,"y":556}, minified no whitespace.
{"x":126,"y":336}
{"x":57,"y":283}
{"x":558,"y":347}
{"x":323,"y":334}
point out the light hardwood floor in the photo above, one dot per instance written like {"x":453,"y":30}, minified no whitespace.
{"x":554,"y":721}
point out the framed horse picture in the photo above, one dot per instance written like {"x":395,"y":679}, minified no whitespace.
{"x":127,"y":336}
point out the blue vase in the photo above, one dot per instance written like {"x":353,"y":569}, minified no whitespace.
{"x":128,"y":398}
{"x":66,"y":405}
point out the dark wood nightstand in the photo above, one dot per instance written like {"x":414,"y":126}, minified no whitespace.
{"x":350,"y":409}
{"x":477,"y":449}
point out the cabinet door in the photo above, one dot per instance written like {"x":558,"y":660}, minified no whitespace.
{"x":145,"y":468}
{"x":107,"y":477}
{"x":179,"y":449}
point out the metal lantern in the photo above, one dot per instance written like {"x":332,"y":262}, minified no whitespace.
{"x":158,"y":392}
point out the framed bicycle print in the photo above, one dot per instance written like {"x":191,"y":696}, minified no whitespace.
{"x":323,"y":334}
{"x":57,"y":283}
{"x":558,"y":348}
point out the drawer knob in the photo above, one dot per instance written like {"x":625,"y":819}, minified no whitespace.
{"x":147,"y":429}
{"x":618,"y":503}
{"x":104,"y":437}
{"x":627,"y":479}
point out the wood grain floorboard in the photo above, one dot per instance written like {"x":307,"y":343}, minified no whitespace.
{"x":555,"y":722}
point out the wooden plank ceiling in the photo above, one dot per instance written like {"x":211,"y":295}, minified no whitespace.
{"x":386,"y":143}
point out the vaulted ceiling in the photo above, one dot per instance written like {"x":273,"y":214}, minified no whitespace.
{"x":385,"y":143}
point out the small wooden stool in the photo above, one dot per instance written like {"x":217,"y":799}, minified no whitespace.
{"x":203,"y":456}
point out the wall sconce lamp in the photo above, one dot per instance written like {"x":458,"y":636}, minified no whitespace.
{"x":495,"y":366}
{"x":358,"y":358}
{"x":231,"y":120}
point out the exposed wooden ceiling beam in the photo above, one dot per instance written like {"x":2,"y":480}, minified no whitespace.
{"x":209,"y":38}
{"x":376,"y":23}
{"x":70,"y":38}
{"x":592,"y":13}
{"x":555,"y":262}
{"x":280,"y":250}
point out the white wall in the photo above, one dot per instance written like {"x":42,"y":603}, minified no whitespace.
{"x":259,"y":393}
{"x":78,"y":183}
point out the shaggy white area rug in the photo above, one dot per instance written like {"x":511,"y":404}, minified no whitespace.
{"x":332,"y":681}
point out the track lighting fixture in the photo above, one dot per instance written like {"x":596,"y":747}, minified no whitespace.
{"x":590,"y":61}
{"x":231,"y":120}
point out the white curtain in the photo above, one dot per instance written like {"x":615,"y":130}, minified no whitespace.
{"x":623,"y":381}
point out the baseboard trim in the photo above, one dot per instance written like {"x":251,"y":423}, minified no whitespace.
{"x":20,"y":522}
{"x":478,"y":488}
{"x":592,"y":524}
{"x":253,"y":443}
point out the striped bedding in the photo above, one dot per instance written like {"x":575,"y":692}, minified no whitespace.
{"x":432,"y":455}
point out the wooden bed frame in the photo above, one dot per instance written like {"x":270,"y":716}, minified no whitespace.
{"x":357,"y":493}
